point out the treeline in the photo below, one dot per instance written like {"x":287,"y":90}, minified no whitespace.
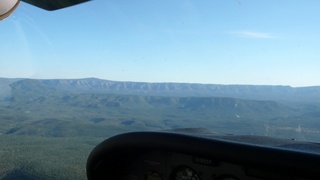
{"x":30,"y":157}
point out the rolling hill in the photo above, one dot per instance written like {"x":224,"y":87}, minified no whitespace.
{"x":48,"y":127}
{"x":93,"y":85}
{"x":53,"y":107}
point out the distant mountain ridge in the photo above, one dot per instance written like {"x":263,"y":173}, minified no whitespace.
{"x":93,"y":85}
{"x":96,"y":108}
{"x":5,"y":89}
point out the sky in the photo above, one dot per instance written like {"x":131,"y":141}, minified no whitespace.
{"x":209,"y":41}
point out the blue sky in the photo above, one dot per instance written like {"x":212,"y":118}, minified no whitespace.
{"x":209,"y":41}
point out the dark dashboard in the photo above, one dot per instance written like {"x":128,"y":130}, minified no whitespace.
{"x":202,"y":156}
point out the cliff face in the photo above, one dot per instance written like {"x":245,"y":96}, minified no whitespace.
{"x":92,"y":85}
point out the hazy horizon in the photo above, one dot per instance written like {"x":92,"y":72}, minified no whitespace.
{"x":157,"y":81}
{"x":207,"y":42}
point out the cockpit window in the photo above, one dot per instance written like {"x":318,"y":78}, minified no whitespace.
{"x":75,"y":76}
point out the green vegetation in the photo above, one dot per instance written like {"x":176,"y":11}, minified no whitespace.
{"x":44,"y":157}
{"x":47,"y":131}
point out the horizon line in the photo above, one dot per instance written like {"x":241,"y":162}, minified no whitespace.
{"x":162,"y":82}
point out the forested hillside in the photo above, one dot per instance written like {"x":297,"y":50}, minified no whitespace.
{"x":48,"y":127}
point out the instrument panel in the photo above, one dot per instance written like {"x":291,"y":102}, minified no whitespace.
{"x":172,"y":156}
{"x":159,"y":165}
